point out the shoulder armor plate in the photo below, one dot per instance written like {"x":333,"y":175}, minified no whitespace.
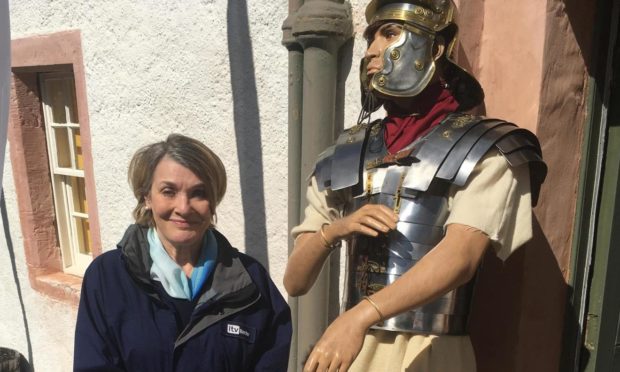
{"x":451,"y":151}
{"x":340,"y":166}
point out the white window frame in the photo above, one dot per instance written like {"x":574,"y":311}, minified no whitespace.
{"x":74,"y":261}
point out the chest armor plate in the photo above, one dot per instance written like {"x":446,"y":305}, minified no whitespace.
{"x":373,"y":263}
{"x":415,"y":184}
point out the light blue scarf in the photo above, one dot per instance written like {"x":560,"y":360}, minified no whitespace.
{"x":170,"y":274}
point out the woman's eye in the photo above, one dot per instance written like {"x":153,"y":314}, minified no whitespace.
{"x":199,"y":193}
{"x":167,"y":192}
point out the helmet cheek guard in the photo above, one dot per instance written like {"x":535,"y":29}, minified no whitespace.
{"x":408,"y":66}
{"x":408,"y":63}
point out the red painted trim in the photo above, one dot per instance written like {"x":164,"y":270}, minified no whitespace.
{"x":26,"y":134}
{"x":65,"y":48}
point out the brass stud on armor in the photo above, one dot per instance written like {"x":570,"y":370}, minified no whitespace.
{"x":461,"y":121}
{"x":395,"y":54}
{"x":419,"y":65}
{"x":381,"y":81}
{"x":375,"y":130}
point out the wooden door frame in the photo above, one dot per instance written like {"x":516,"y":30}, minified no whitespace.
{"x":593,"y":274}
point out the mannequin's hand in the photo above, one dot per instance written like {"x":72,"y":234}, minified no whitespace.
{"x":371,"y":220}
{"x":342,"y":341}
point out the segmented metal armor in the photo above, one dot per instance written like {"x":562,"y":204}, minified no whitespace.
{"x":415,"y":183}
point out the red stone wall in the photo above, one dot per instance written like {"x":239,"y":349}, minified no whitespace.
{"x":32,"y":175}
{"x":29,"y":158}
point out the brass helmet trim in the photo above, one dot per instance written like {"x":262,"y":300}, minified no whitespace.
{"x":423,"y":18}
{"x":414,"y":15}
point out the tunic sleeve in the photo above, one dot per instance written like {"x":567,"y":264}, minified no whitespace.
{"x":497,"y":201}
{"x":323,"y":207}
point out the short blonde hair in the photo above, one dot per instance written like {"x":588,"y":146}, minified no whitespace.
{"x":190,"y":153}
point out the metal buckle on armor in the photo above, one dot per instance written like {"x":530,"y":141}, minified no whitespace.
{"x":398,"y":192}
{"x":369,"y":177}
{"x":402,"y":157}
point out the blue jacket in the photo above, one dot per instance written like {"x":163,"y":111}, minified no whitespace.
{"x":124,"y":323}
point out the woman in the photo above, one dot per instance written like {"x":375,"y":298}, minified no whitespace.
{"x":175,"y":295}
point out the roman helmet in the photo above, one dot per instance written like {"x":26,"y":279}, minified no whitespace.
{"x":408,"y":63}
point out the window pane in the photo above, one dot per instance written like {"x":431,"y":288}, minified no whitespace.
{"x":77,"y":142}
{"x":79,"y":195}
{"x":56,"y":96}
{"x":83,"y":235}
{"x":63,"y":153}
{"x":73,"y":115}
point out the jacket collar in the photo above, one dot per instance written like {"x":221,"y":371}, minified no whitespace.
{"x":229,"y":275}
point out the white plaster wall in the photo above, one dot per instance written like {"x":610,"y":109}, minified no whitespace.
{"x":50,"y":323}
{"x":155,"y":67}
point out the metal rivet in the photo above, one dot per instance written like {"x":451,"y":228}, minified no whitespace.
{"x":395,"y":54}
{"x":381,"y":81}
{"x":419,"y":65}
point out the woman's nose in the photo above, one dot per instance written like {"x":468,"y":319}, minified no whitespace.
{"x":182,"y":204}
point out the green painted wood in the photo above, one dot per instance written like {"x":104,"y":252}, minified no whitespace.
{"x":604,"y":297}
{"x":595,"y":268}
{"x":601,"y":333}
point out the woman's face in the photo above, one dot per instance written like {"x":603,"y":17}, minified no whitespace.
{"x":178,"y":200}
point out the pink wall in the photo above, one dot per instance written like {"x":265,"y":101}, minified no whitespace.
{"x":504,"y":42}
{"x":531,"y":58}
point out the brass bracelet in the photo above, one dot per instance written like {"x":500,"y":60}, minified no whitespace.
{"x":375,"y":306}
{"x":324,"y":240}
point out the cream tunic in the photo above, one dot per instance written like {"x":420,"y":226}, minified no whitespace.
{"x":495,"y":200}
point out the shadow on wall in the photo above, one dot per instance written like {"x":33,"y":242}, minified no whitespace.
{"x":247,"y":130}
{"x":580,"y":15}
{"x":7,"y":356}
{"x":518,"y":310}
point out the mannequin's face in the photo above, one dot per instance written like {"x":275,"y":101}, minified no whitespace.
{"x":385,"y":35}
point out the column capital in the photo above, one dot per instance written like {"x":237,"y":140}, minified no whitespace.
{"x":321,"y":23}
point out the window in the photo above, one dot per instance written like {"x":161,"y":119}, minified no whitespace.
{"x":62,"y":131}
{"x":51,"y":159}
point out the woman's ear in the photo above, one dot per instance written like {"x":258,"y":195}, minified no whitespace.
{"x":439,"y":47}
{"x":147,"y":202}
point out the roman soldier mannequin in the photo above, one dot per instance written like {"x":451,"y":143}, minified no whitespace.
{"x":418,"y":196}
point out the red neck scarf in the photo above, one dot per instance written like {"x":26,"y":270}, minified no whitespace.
{"x":428,"y":110}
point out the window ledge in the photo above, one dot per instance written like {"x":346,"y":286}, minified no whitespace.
{"x":59,"y":286}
